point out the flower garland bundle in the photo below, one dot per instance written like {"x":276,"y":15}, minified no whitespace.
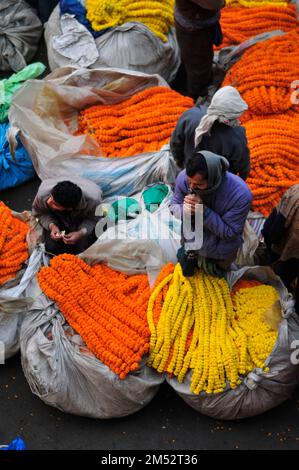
{"x":157,"y":15}
{"x":105,"y":307}
{"x":255,"y":3}
{"x":265,"y":73}
{"x":13,"y":245}
{"x":239,"y":25}
{"x":274,"y":153}
{"x":142,"y":123}
{"x":201,"y":328}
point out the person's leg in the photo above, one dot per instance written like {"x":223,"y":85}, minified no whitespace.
{"x":55,"y":247}
{"x":197,"y":55}
{"x":225,"y":264}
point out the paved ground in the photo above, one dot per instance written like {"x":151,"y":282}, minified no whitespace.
{"x":166,"y":423}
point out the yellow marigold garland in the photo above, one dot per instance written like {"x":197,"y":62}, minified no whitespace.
{"x":157,"y":15}
{"x":229,"y":335}
{"x":13,"y":245}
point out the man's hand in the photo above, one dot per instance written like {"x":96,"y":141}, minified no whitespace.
{"x":73,"y":237}
{"x":55,"y":232}
{"x":190,"y":202}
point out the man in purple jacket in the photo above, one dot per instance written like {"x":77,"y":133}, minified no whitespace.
{"x":226,"y":201}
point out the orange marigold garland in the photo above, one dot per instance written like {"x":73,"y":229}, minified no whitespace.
{"x":274,"y":153}
{"x":105,"y":307}
{"x":142,"y":123}
{"x":13,"y":245}
{"x":240,"y":24}
{"x":265,"y":73}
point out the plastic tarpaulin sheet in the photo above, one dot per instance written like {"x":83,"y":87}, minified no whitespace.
{"x":46,"y":113}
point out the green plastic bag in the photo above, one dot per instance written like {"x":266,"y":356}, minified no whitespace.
{"x":154,"y":196}
{"x":10,"y":85}
{"x":124,"y":209}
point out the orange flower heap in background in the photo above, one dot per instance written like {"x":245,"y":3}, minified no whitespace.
{"x":274,"y":153}
{"x":13,"y":245}
{"x":240,"y":24}
{"x":142,"y":123}
{"x":265,"y":73}
{"x":105,"y":307}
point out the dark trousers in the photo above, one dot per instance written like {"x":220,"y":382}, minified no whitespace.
{"x":197,"y":57}
{"x":57,"y":247}
{"x":44,"y":8}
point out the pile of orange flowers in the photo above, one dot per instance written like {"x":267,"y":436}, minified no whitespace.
{"x":265,"y":73}
{"x":274,"y":153}
{"x":105,"y":307}
{"x":240,"y":24}
{"x":13,"y":245}
{"x":142,"y":123}
{"x":264,"y":76}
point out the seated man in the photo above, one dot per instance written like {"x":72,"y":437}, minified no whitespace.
{"x":226,"y":201}
{"x":66,"y":211}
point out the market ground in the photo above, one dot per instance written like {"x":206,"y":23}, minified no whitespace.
{"x":166,"y":423}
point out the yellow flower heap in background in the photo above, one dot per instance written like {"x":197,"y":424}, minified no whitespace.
{"x":157,"y":15}
{"x":197,"y":324}
{"x":255,"y":3}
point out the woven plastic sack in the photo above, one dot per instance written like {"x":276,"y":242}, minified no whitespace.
{"x":20,"y":32}
{"x":64,"y":374}
{"x":46,"y":111}
{"x":131,"y":46}
{"x":259,"y":391}
{"x":14,"y":302}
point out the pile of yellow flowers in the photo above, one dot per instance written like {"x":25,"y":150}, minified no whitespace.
{"x":157,"y":15}
{"x":202,"y":327}
{"x":255,"y":3}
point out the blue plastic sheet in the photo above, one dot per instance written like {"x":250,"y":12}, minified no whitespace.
{"x":16,"y":444}
{"x":13,"y":171}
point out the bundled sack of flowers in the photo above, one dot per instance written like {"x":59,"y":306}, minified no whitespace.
{"x":16,"y":271}
{"x":221,"y":349}
{"x":157,"y":15}
{"x":143,"y":123}
{"x":239,"y":24}
{"x":131,"y":46}
{"x":255,"y":3}
{"x":265,"y":73}
{"x":96,"y":335}
{"x":274,"y":153}
{"x":46,"y":113}
{"x":107,"y":309}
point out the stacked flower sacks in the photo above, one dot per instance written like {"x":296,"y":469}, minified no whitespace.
{"x":266,"y":77}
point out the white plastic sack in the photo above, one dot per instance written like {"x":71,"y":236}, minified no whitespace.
{"x":131,"y":46}
{"x":46,"y":111}
{"x":20,"y":32}
{"x":259,"y":391}
{"x":14,"y":302}
{"x":142,"y":245}
{"x":63,"y":376}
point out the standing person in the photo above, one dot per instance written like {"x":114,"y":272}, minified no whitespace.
{"x":226,"y":201}
{"x":66,"y":210}
{"x":217,"y":129}
{"x":281,"y":235}
{"x":198,"y":29}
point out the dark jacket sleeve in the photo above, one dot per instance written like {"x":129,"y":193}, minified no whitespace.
{"x":177,"y":142}
{"x":244,"y":155}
